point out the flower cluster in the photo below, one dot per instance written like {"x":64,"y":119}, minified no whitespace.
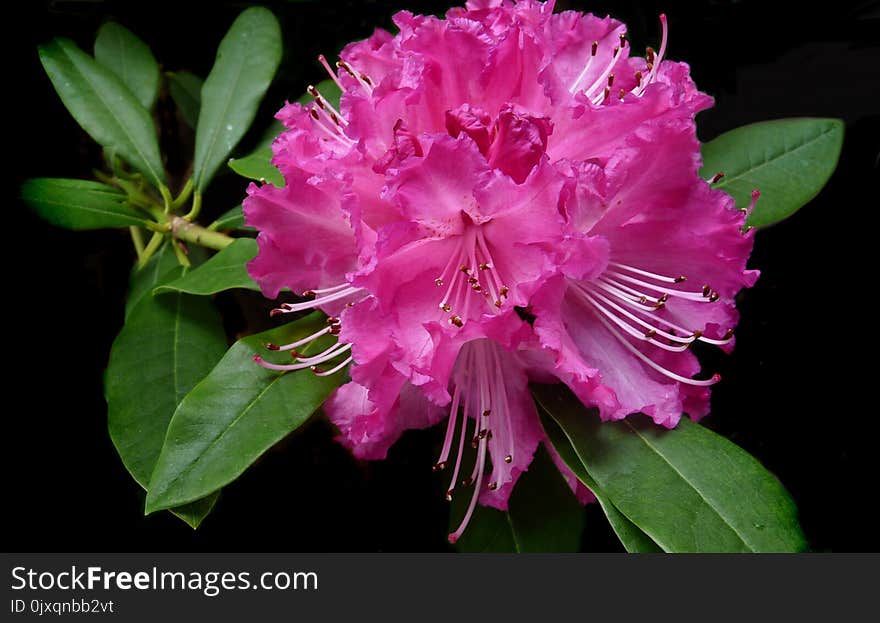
{"x":504,"y":196}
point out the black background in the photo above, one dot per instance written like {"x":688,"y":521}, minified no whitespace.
{"x":799,"y":392}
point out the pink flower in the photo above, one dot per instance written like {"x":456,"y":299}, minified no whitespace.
{"x":502,"y":160}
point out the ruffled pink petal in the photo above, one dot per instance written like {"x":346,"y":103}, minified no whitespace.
{"x":581,"y":492}
{"x":305,"y":240}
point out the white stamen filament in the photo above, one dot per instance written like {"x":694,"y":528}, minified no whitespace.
{"x":629,"y":329}
{"x":585,"y":70}
{"x":288,"y":308}
{"x":690,"y":296}
{"x":634,"y":301}
{"x":323,"y":60}
{"x":653,"y":365}
{"x":639,"y":90}
{"x":335,"y":369}
{"x":305,"y":340}
{"x":450,"y":427}
{"x":601,"y":80}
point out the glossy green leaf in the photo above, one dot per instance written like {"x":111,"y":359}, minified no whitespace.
{"x":258,"y":166}
{"x":226,"y":270}
{"x":186,"y":91}
{"x":167,"y":345}
{"x":246,"y":62}
{"x":235,"y":414}
{"x":119,"y":50}
{"x":232,"y":219}
{"x":79,"y":204}
{"x":104,"y":107}
{"x":689,"y":489}
{"x":788,"y":160}
{"x":632,"y":538}
{"x":543,"y":515}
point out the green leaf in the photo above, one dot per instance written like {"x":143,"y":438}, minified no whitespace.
{"x":166,"y":346}
{"x":224,"y":271}
{"x":788,"y":160}
{"x":633,"y":539}
{"x":186,"y":91}
{"x":246,"y":62}
{"x":119,"y":50}
{"x":104,"y":107}
{"x":689,"y":489}
{"x":235,"y":414}
{"x":158,"y":270}
{"x":79,"y":204}
{"x":543,"y":515}
{"x":233,"y":219}
{"x":258,"y":166}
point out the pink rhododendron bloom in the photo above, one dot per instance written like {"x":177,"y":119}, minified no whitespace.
{"x":505,"y":195}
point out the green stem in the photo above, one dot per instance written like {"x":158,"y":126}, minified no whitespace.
{"x":152,"y":246}
{"x":138,"y":239}
{"x":166,"y":197}
{"x":183,"y":196}
{"x":196,"y":207}
{"x":181,"y":229}
{"x":180,"y":253}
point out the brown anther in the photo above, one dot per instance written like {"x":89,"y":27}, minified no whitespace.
{"x":487,"y":412}
{"x":349,"y":304}
{"x":295,"y":354}
{"x":476,"y":287}
{"x":483,"y":433}
{"x":659,"y":305}
{"x":681,"y":279}
{"x":650,"y":66}
{"x":472,"y":280}
{"x":706,"y":290}
{"x":332,"y":320}
{"x":621,"y":95}
{"x":334,"y":118}
{"x":498,"y":303}
{"x":649,"y":56}
{"x":449,"y":495}
{"x":508,"y":459}
{"x":697,"y":334}
{"x":438,"y":281}
{"x":651,"y":333}
{"x":622,"y":39}
{"x":474,"y":441}
{"x":467,"y":482}
{"x":262,"y":180}
{"x":503,"y":291}
{"x":313,"y":113}
{"x":714,"y":297}
{"x":438,"y":466}
{"x":457,"y":321}
{"x":271,"y":346}
{"x":594,"y":48}
{"x":493,"y":486}
{"x":275,"y":312}
{"x":314,"y":369}
{"x":616,"y":50}
{"x":727,"y":334}
{"x":716,"y":177}
{"x":308,"y":293}
{"x":643,"y":300}
{"x":485,"y":266}
{"x":366,"y":79}
{"x":663,"y":298}
{"x":446,"y":307}
{"x":335,"y":329}
{"x":611,"y":80}
{"x":638,"y":78}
